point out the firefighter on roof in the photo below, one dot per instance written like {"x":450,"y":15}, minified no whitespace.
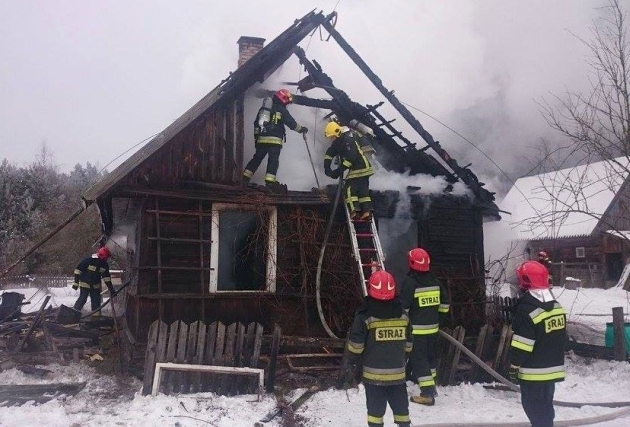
{"x":537,"y":348}
{"x":380,"y":338}
{"x":270,"y":134}
{"x":87,"y":277}
{"x":426,"y":300}
{"x":357,"y":182}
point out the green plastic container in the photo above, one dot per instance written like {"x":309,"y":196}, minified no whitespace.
{"x":609,"y":340}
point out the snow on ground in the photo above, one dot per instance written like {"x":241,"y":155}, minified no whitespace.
{"x":106,"y":402}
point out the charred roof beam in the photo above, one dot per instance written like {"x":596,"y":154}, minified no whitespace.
{"x":466,"y":175}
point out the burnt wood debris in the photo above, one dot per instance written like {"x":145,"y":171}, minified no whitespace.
{"x":194,"y":297}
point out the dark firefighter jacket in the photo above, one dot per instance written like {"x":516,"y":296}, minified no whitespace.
{"x":425,"y":298}
{"x":380,"y":337}
{"x":89,"y":273}
{"x":351,"y":156}
{"x":274,"y":132}
{"x":538,"y":342}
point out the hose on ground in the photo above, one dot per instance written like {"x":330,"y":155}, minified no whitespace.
{"x":514,"y":387}
{"x":318,"y":276}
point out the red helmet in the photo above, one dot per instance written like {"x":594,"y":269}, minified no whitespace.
{"x":103,"y":253}
{"x":382,"y":286}
{"x":284,"y":96}
{"x":419,"y":259}
{"x":532,"y":275}
{"x":542,"y":254}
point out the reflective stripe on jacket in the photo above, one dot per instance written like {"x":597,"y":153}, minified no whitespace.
{"x":538,"y":343}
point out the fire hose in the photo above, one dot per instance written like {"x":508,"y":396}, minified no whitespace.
{"x":514,"y":387}
{"x":318,"y":276}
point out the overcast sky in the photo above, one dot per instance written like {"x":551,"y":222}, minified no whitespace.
{"x":93,"y":78}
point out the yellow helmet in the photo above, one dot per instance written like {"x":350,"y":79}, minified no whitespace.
{"x":332,"y":130}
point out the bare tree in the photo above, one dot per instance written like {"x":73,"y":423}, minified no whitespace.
{"x":595,"y":126}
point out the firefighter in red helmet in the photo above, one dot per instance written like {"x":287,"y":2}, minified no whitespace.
{"x":269,"y":135}
{"x":88,"y":276}
{"x":426,"y":301}
{"x":537,"y":347}
{"x":380,"y":337}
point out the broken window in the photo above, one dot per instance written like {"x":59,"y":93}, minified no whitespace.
{"x":243,"y":248}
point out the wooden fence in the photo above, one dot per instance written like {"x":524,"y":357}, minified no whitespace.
{"x":216,"y":344}
{"x":35,"y":281}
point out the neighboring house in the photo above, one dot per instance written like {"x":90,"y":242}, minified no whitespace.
{"x":196,"y":245}
{"x":580,"y":216}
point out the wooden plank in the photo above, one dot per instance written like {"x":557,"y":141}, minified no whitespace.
{"x":273,"y":359}
{"x":208,"y":357}
{"x":171,"y":350}
{"x":180,"y":356}
{"x":479,"y":351}
{"x":198,"y":358}
{"x":218,"y":353}
{"x":228,"y":358}
{"x":238,"y":358}
{"x":191,"y":350}
{"x":442,"y":348}
{"x":257,"y":346}
{"x":149,"y":361}
{"x":505,"y":357}
{"x":501,"y":348}
{"x":460,"y":332}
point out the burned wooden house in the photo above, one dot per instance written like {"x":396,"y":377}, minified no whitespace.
{"x":197,"y":245}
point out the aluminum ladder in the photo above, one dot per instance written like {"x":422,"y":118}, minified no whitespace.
{"x":366,"y":247}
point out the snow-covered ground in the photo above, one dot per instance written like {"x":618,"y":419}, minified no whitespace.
{"x":102,"y":404}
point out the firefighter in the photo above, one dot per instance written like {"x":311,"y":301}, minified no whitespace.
{"x":537,"y":347}
{"x":426,"y":301}
{"x":270,"y":134}
{"x":346,"y":145}
{"x":87,"y":277}
{"x":380,"y":338}
{"x":543,"y":258}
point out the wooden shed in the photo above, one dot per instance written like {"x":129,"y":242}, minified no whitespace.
{"x":197,"y":245}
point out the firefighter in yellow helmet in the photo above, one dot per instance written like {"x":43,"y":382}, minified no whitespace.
{"x":346,"y":146}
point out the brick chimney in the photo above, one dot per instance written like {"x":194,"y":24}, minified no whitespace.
{"x":248,"y":47}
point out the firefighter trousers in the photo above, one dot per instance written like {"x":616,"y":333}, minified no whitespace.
{"x":377,"y":397}
{"x":357,"y":194}
{"x":273,"y":161}
{"x":537,"y":401}
{"x":423,"y":363}
{"x":84,"y":293}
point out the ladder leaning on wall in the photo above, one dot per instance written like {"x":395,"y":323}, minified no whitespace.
{"x":366,"y":247}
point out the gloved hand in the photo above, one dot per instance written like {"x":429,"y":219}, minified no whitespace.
{"x":75,"y":286}
{"x":304,"y":129}
{"x":327,"y":171}
{"x":513,"y":373}
{"x":112,"y":292}
{"x":336,"y":173}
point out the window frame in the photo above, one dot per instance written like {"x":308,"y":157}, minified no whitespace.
{"x":582,"y":250}
{"x":272,"y":247}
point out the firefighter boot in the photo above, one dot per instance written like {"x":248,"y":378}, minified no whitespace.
{"x":275,"y":187}
{"x":365,"y":215}
{"x":426,"y":397}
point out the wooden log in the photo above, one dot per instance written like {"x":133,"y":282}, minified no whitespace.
{"x":619,"y":334}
